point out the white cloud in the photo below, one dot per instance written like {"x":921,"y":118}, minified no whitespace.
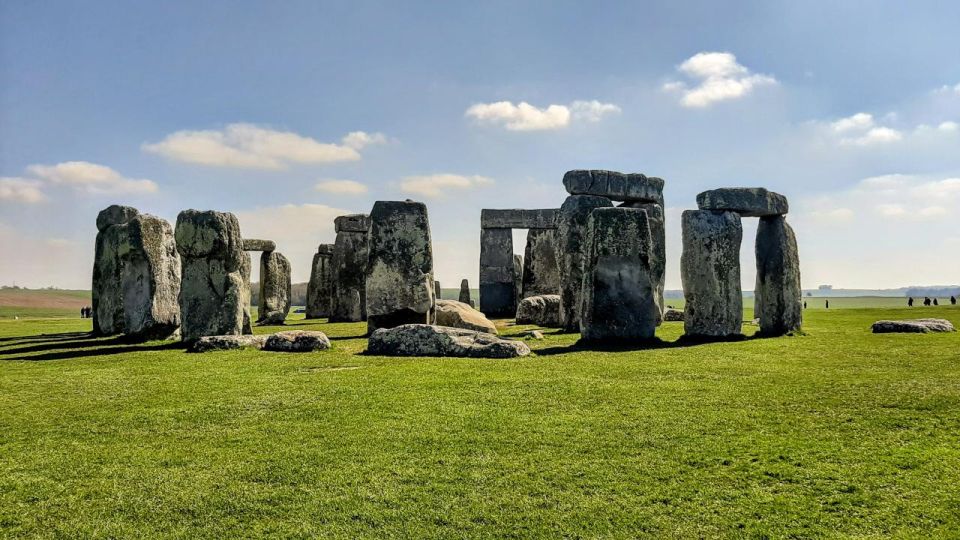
{"x":859,"y":121}
{"x":434,"y":185}
{"x":717,"y":77}
{"x":833,"y":215}
{"x":21,"y":190}
{"x":877,"y":135}
{"x":948,"y":126}
{"x":526,"y":117}
{"x":91,"y":178}
{"x":891,"y":210}
{"x":248,"y":146}
{"x":861,"y":129}
{"x":341,"y":187}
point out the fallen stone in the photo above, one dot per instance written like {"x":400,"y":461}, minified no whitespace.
{"x":465,"y":292}
{"x":710,"y":272}
{"x":748,"y":202}
{"x":778,"y":299}
{"x":497,"y":293}
{"x":399,"y":284}
{"x":297,"y":341}
{"x":226,"y":343}
{"x":250,"y":244}
{"x":459,"y":315}
{"x":541,"y":271}
{"x":542,"y":310}
{"x":275,"y":288}
{"x":348,"y":266}
{"x":673,"y":315}
{"x":431,"y":340}
{"x":614,"y":185}
{"x":532,"y":334}
{"x":571,"y":246}
{"x":318,"y":288}
{"x":620,"y":300}
{"x":519,"y":219}
{"x":918,"y":326}
{"x":150,"y":278}
{"x":115,"y":215}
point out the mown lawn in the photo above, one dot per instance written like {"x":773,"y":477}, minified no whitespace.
{"x":835,"y":433}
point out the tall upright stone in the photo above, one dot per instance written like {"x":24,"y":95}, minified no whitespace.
{"x":437,"y":290}
{"x":274,"y":288}
{"x":571,"y":245}
{"x":465,"y":292}
{"x":246,"y":271}
{"x":349,"y":268}
{"x":213,"y":289}
{"x":541,"y":271}
{"x":658,"y":234}
{"x":778,"y":298}
{"x":517,"y":280}
{"x":150,"y":279}
{"x":710,"y":271}
{"x":107,"y":290}
{"x":620,"y":297}
{"x":497,"y":293}
{"x":319,"y":286}
{"x":399,"y":284}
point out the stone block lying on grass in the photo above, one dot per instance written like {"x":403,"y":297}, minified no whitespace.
{"x":459,"y":315}
{"x":673,"y":315}
{"x":431,"y":340}
{"x":917,"y":326}
{"x":542,"y":310}
{"x":226,"y":343}
{"x":288,"y":341}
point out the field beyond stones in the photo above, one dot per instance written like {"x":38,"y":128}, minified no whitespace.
{"x":838,"y":433}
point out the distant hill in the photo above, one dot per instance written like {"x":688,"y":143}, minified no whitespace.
{"x":17,"y":302}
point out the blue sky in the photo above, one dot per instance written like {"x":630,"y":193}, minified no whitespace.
{"x":291,"y":113}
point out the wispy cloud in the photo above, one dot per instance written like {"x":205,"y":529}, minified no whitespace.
{"x":341,"y":187}
{"x":436,"y":185}
{"x":91,"y":178}
{"x":526,"y":117}
{"x":21,"y":190}
{"x":715,"y":76}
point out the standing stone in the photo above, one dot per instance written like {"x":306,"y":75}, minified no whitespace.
{"x":658,"y":233}
{"x":107,"y":291}
{"x":246,"y":270}
{"x":150,"y":278}
{"x":620,"y":300}
{"x":465,"y":292}
{"x":541,"y":272}
{"x":710,"y":271}
{"x":349,"y":268}
{"x":778,"y":297}
{"x":400,"y":285}
{"x":436,"y":290}
{"x":318,"y":288}
{"x":274,"y":288}
{"x":517,"y":280}
{"x":614,"y":185}
{"x":497,"y":294}
{"x":571,"y":246}
{"x":213,"y":289}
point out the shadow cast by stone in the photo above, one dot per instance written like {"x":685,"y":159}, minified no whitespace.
{"x":41,"y":338}
{"x":99,"y":351}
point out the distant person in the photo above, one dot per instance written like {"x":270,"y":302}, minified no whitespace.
{"x":826,"y":304}
{"x":804,"y":304}
{"x":935,"y":302}
{"x":910,"y":302}
{"x":953,"y":300}
{"x":83,"y":312}
{"x":926,"y":300}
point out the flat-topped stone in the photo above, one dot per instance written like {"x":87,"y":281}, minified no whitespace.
{"x":432,"y":340}
{"x":297,"y":341}
{"x":917,"y":326}
{"x":614,"y":185}
{"x":352,"y":223}
{"x":519,"y":219}
{"x":252,"y":244}
{"x":115,"y":215}
{"x":748,"y":202}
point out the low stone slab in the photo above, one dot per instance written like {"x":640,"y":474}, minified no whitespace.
{"x":297,"y":341}
{"x":227,"y":343}
{"x":916,"y":326}
{"x":519,"y":219}
{"x":748,"y":202}
{"x":251,"y":244}
{"x":614,"y":185}
{"x":431,"y":340}
{"x":460,"y":315}
{"x":352,"y":223}
{"x":542,"y":310}
{"x":673,"y":315}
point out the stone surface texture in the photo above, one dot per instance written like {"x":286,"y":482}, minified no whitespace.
{"x":246,"y":270}
{"x":297,"y":341}
{"x":348,"y":266}
{"x":748,"y":202}
{"x":519,"y":218}
{"x":673,"y":315}
{"x":542,"y":310}
{"x":497,"y":294}
{"x":442,"y":341}
{"x":620,"y":299}
{"x":275,"y":288}
{"x":917,"y":326}
{"x":252,"y":244}
{"x":541,"y":271}
{"x":465,"y":292}
{"x":710,"y":271}
{"x":614,"y":185}
{"x":399,"y":284}
{"x":115,"y":214}
{"x":226,"y":343}
{"x":359,"y":223}
{"x":778,"y":299}
{"x":150,"y":279}
{"x":107,"y":289}
{"x":571,"y":248}
{"x":517,"y":280}
{"x":460,"y":315}
{"x":320,"y":284}
{"x":658,"y":233}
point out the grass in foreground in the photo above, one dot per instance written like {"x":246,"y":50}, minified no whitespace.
{"x":838,"y":433}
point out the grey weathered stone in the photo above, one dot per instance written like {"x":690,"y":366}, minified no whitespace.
{"x":436,"y":290}
{"x":430,"y":340}
{"x":399,"y":285}
{"x":673,"y":315}
{"x":778,"y":299}
{"x":274,"y":288}
{"x":115,"y":215}
{"x":150,"y":279}
{"x":542,"y":310}
{"x":349,"y":269}
{"x":571,"y":247}
{"x":614,"y":185}
{"x":497,"y":295}
{"x":658,"y":234}
{"x":107,"y":290}
{"x":519,"y":219}
{"x":620,"y":300}
{"x":251,"y":244}
{"x":246,"y":270}
{"x":918,"y":326}
{"x":517,"y":280}
{"x":297,"y":341}
{"x":320,"y":284}
{"x":459,"y":315}
{"x":748,"y":202}
{"x":541,"y":271}
{"x":465,"y":292}
{"x":213,"y":289}
{"x":710,"y":271}
{"x":225,"y":343}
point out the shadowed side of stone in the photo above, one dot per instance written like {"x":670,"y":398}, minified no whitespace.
{"x":658,"y":234}
{"x":710,"y":272}
{"x":541,"y":271}
{"x":430,"y":340}
{"x":778,"y":299}
{"x":497,"y":294}
{"x":349,"y":269}
{"x":106,"y":288}
{"x":319,"y":286}
{"x":614,"y":185}
{"x":518,"y":218}
{"x":571,"y":247}
{"x":465,"y":293}
{"x":274,"y":288}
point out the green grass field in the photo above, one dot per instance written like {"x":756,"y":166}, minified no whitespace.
{"x":837,"y":433}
